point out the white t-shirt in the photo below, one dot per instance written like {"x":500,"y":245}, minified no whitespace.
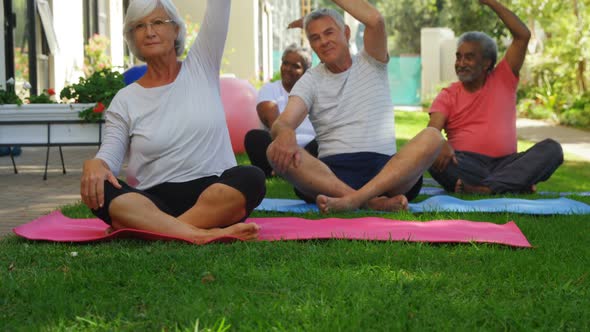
{"x":275,"y":92}
{"x":350,"y":111}
{"x":176,"y":132}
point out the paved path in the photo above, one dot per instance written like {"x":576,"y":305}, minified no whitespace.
{"x":25,"y":196}
{"x":573,"y":141}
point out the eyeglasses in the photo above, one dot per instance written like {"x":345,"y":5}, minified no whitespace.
{"x":156,"y":25}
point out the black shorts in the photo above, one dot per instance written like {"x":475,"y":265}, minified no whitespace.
{"x":175,"y":198}
{"x":356,"y":169}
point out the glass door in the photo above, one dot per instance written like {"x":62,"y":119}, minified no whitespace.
{"x":21,"y":45}
{"x":26,"y":46}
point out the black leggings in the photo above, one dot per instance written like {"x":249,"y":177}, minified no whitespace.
{"x":175,"y":198}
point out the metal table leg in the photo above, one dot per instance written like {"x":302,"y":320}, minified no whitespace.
{"x":46,"y":163}
{"x":63,"y":166}
{"x":12,"y":159}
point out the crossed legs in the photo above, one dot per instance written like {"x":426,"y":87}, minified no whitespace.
{"x":216,"y":213}
{"x":515,"y":173}
{"x":314,"y":178}
{"x":397,"y":177}
{"x":199,"y":210}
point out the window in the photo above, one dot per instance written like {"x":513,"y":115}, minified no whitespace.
{"x":90,"y":8}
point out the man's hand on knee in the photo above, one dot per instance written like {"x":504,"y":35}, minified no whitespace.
{"x":283,"y":156}
{"x":446,"y":156}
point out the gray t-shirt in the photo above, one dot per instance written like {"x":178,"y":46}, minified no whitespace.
{"x":350,"y":111}
{"x":176,"y":132}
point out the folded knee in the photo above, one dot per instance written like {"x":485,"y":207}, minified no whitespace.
{"x":552,"y":148}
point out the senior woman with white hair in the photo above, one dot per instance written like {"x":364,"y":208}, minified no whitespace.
{"x":182,"y":173}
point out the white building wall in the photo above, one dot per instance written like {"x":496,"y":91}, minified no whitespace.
{"x":242,"y":50}
{"x":282,"y":13}
{"x":242,"y":56}
{"x":448,"y":48}
{"x":115,"y":34}
{"x":67,"y":64}
{"x":2,"y":50}
{"x":266,"y":40}
{"x":435,"y":58}
{"x":68,"y":22}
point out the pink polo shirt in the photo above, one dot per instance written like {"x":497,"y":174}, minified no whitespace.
{"x":483,"y":122}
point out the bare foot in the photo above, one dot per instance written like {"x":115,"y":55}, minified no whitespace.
{"x":390,"y":204}
{"x":382,"y":203}
{"x":242,"y":231}
{"x":333,"y":204}
{"x":459,"y":186}
{"x":109,"y":230}
{"x":462,"y":187}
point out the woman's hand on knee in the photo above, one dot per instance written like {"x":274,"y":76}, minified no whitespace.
{"x":94,"y":173}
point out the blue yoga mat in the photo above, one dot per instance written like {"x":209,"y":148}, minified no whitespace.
{"x":567,"y":193}
{"x":445,"y":203}
{"x":433,"y":191}
{"x":516,"y":205}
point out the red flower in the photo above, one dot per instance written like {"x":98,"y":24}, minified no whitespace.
{"x":99,"y":108}
{"x":50,"y":91}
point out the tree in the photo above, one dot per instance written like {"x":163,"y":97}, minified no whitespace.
{"x":463,"y":16}
{"x":557,"y":79}
{"x":404,"y":20}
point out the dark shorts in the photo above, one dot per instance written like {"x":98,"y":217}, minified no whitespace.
{"x":356,"y":169}
{"x":175,"y":198}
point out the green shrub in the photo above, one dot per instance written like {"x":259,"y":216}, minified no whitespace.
{"x":99,"y":88}
{"x":9,"y":96}
{"x":578,"y":115}
{"x":533,"y":109}
{"x":46,"y":97}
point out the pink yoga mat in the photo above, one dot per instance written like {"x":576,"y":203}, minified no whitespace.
{"x":59,"y":228}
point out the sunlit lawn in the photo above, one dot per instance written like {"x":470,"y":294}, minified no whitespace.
{"x":133,"y":285}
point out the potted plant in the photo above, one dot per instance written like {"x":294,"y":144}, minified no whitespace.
{"x":98,"y":89}
{"x":42,"y":121}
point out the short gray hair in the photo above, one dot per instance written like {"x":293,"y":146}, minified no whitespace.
{"x":139,"y":9}
{"x":323,"y":12}
{"x":489,"y":48}
{"x":303,"y":52}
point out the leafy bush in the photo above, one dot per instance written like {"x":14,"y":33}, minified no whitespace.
{"x":99,"y":88}
{"x":46,"y":97}
{"x":533,"y":109}
{"x":578,"y":114}
{"x":8,"y":96}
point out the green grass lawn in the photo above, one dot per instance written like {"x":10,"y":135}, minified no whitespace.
{"x":133,"y":285}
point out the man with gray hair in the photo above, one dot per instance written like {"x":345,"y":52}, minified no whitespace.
{"x":349,"y":104}
{"x":478,"y":114}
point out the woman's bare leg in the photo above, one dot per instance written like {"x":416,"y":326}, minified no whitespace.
{"x":218,"y":206}
{"x":136,"y":211}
